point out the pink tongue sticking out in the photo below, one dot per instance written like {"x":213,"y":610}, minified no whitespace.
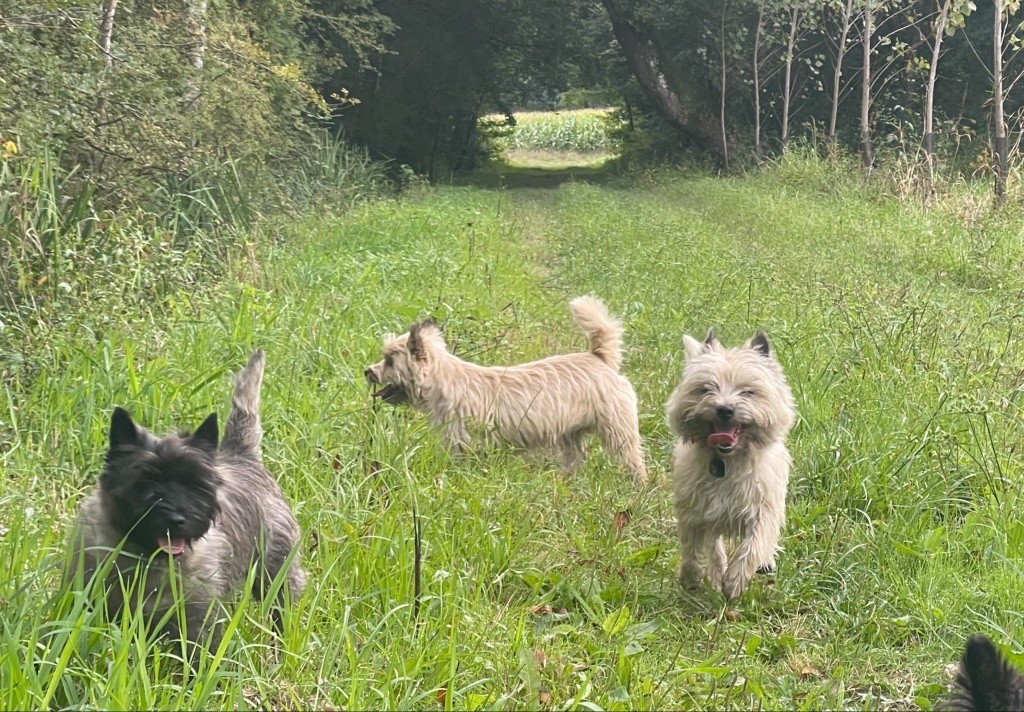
{"x":173,"y":546}
{"x":727,"y":437}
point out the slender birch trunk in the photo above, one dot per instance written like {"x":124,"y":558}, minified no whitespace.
{"x":929,"y":96}
{"x":757,"y":83}
{"x":195,"y":26}
{"x":997,"y":96}
{"x":837,"y":75}
{"x":107,"y":11}
{"x":867,"y":151}
{"x":725,"y":143}
{"x":788,"y":82}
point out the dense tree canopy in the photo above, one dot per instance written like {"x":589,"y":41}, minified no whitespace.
{"x":148,"y":88}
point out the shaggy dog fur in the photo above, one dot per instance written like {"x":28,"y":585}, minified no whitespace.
{"x":182,"y":504}
{"x":730,"y":415}
{"x":555,"y":402}
{"x":986,"y":681}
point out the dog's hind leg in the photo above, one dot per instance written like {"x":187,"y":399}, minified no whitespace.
{"x":621,"y":438}
{"x":573,"y":451}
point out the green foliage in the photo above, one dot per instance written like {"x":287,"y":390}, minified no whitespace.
{"x":579,"y":98}
{"x":147,"y":120}
{"x":62,"y":254}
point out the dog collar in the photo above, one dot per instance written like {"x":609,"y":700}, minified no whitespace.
{"x":717,"y":467}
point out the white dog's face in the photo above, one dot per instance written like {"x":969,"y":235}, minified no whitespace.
{"x":731,"y":399}
{"x":405,"y":364}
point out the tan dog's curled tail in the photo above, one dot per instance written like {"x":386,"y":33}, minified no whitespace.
{"x":243,"y":432}
{"x":604,"y":332}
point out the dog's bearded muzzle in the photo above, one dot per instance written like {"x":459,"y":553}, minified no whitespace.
{"x":720,"y":431}
{"x":391,"y":393}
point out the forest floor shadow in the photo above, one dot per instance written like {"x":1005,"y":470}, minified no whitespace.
{"x":540,"y":169}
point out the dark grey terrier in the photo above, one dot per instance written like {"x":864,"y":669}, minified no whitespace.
{"x":182,"y":505}
{"x":986,"y":681}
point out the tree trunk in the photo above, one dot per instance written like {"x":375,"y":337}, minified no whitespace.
{"x":929,"y":96}
{"x":867,"y":151}
{"x":195,"y":26}
{"x":725,"y":140}
{"x":997,"y":97}
{"x":788,"y":81}
{"x":757,"y":84}
{"x":837,"y":75}
{"x":679,"y":99}
{"x":107,"y":10}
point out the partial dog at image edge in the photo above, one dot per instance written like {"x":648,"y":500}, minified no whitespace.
{"x":183,"y":506}
{"x":985,"y":680}
{"x":730,"y":414}
{"x":555,"y":402}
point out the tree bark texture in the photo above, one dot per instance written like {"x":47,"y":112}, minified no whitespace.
{"x":680,"y":99}
{"x":866,"y":149}
{"x":929,"y":96}
{"x":837,"y":74}
{"x":997,"y":99}
{"x":195,"y":26}
{"x":107,"y":10}
{"x":787,"y":90}
{"x":757,"y":84}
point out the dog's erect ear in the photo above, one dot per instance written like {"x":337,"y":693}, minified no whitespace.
{"x":711,"y":341}
{"x":123,"y":430}
{"x":205,"y":436}
{"x":416,"y":342}
{"x":760,"y":344}
{"x":691,"y":347}
{"x":416,"y":346}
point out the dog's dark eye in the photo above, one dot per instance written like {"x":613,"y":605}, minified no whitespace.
{"x":707,"y":390}
{"x":389,"y":360}
{"x":747,"y":393}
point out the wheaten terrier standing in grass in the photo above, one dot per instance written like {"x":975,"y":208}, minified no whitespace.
{"x":730,"y":414}
{"x":555,"y":402}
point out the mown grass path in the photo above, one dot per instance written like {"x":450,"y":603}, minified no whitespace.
{"x":897,"y":330}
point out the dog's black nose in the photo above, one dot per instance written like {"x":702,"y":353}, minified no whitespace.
{"x":725,"y":412}
{"x":175,"y":518}
{"x":370,"y":375}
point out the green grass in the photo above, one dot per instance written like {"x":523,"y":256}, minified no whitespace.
{"x":897,"y":329}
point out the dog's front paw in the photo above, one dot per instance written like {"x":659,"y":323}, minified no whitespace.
{"x":690,"y":574}
{"x":733,"y":585}
{"x":716,"y":577}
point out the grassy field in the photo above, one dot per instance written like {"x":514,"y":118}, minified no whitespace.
{"x":899,"y":333}
{"x":556,"y":140}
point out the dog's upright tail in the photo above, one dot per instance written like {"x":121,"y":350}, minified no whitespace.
{"x":985,"y":680}
{"x":243,"y":432}
{"x":604,"y":332}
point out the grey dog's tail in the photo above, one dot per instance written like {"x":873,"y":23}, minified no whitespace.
{"x":604,"y":332}
{"x":985,"y":680}
{"x":243,"y":432}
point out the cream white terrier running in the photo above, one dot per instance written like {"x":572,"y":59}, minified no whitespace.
{"x":555,"y":402}
{"x":730,"y":415}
